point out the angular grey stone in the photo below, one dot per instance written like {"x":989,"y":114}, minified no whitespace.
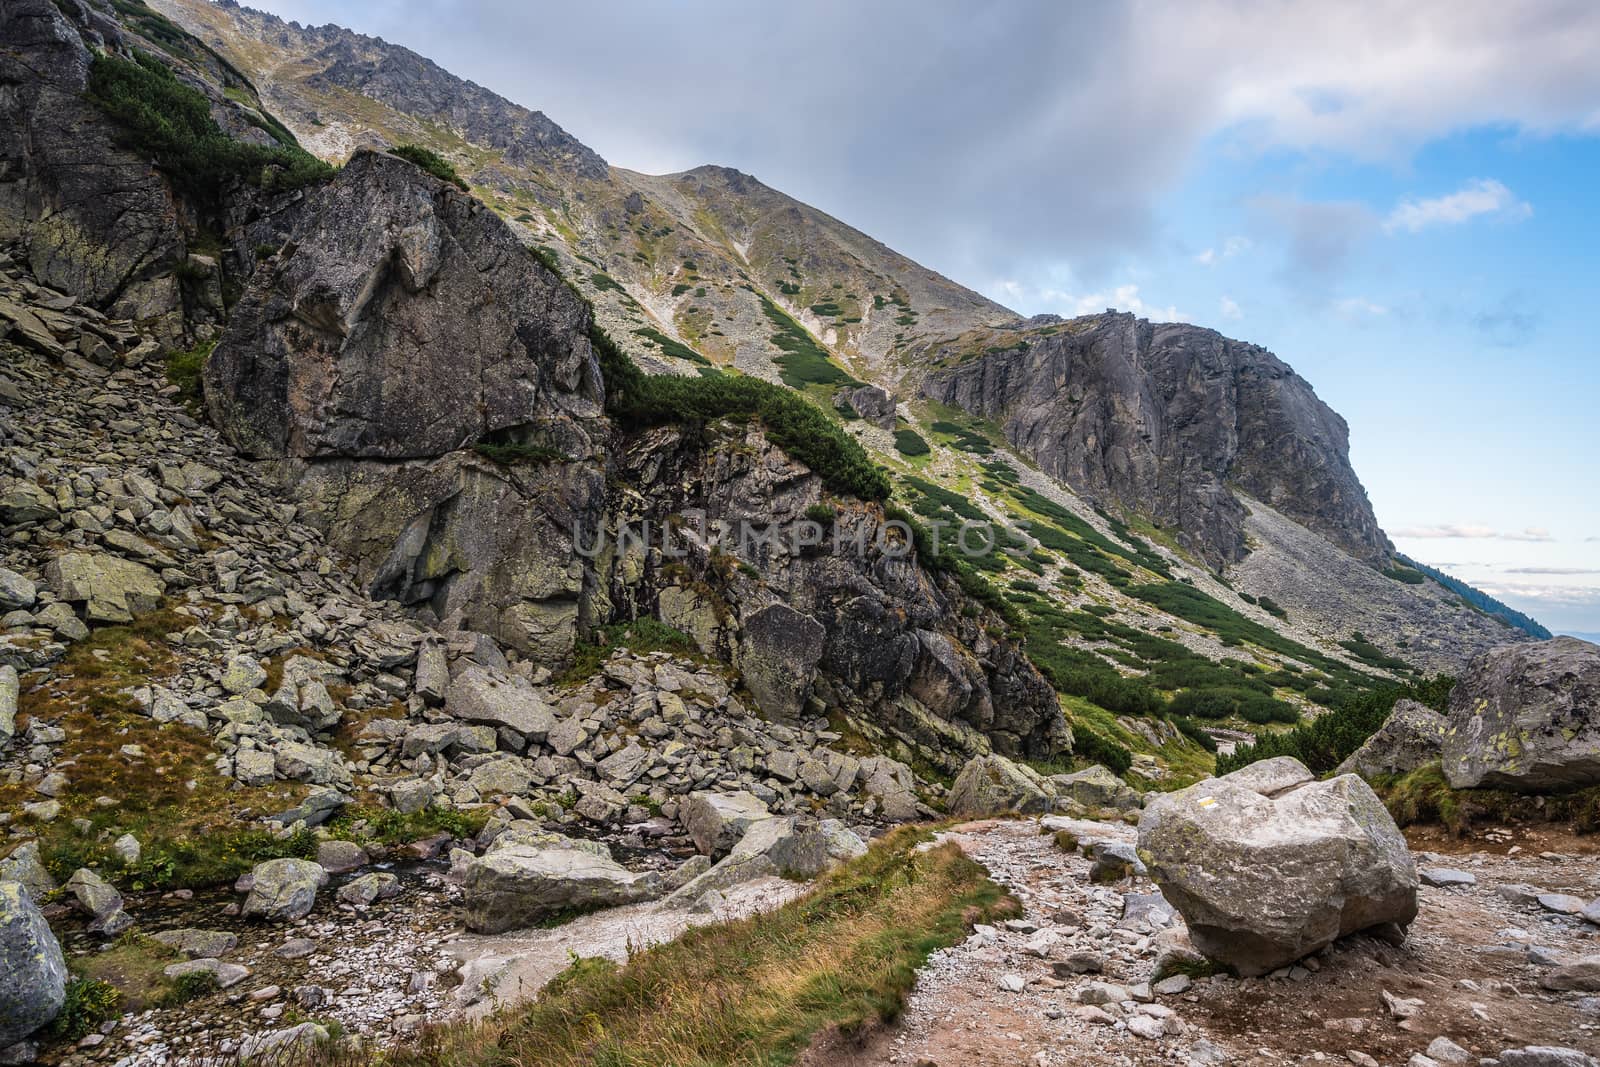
{"x":341,"y":857}
{"x":522,"y":885}
{"x":379,"y":885}
{"x":284,"y":889}
{"x":778,"y":654}
{"x":1264,"y":881}
{"x":10,"y":693}
{"x":25,"y":865}
{"x":1526,"y":717}
{"x":994,"y":785}
{"x":16,"y":591}
{"x":196,"y":943}
{"x":1445,"y":877}
{"x":1412,"y":736}
{"x":1545,"y":1056}
{"x":716,"y":821}
{"x":35,"y":985}
{"x":111,"y":589}
{"x":1096,"y":787}
{"x":479,"y":695}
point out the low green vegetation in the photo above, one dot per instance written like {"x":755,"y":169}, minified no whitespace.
{"x":676,"y":349}
{"x":512,"y":454}
{"x":910,"y":443}
{"x":89,"y":1003}
{"x":1326,"y":741}
{"x":795,"y":425}
{"x":751,"y":992}
{"x":430,"y":161}
{"x":804,"y":362}
{"x":1478,"y":600}
{"x":1424,"y":797}
{"x":186,"y":368}
{"x":171,"y":122}
{"x":640,"y":636}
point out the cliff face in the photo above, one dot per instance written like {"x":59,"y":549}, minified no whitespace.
{"x":1167,"y":419}
{"x":402,"y":323}
{"x":91,"y":218}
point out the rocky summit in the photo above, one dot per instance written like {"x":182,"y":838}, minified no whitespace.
{"x":444,"y":573}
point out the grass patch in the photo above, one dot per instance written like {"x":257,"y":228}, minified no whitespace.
{"x":676,"y":349}
{"x":186,"y":369}
{"x":752,"y":992}
{"x":804,"y":362}
{"x":89,"y":1003}
{"x":390,"y":827}
{"x":640,"y":636}
{"x":191,"y":836}
{"x":432,"y":162}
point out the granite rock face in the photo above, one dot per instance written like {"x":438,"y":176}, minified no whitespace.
{"x":1411,"y":737}
{"x":405,"y":322}
{"x":1164,"y":418}
{"x":93,"y":218}
{"x":1526,"y":717}
{"x":35,"y":971}
{"x":1267,"y":869}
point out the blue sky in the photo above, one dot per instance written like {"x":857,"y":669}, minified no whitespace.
{"x":1398,"y":197}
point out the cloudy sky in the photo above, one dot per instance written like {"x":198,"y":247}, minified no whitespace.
{"x":1399,"y":198}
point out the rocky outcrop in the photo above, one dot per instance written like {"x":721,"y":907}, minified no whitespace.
{"x":404,"y":321}
{"x":1267,"y":865}
{"x":994,"y":785}
{"x":94,"y":219}
{"x":1412,"y":736}
{"x":405,"y":325}
{"x":35,"y":971}
{"x":1166,"y":419}
{"x":1526,"y":717}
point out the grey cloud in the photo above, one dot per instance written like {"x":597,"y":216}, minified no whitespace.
{"x":1566,"y":571}
{"x":988,"y":140}
{"x":1510,"y":324}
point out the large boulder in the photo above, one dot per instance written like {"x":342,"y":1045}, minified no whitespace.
{"x":525,"y":884}
{"x":33,"y":973}
{"x":994,"y":785}
{"x":99,"y":900}
{"x":112,"y":589}
{"x":778,"y":655}
{"x":1264,"y":880}
{"x":1095,"y":788}
{"x":283,"y":890}
{"x":1411,"y":737}
{"x":1526,"y":717}
{"x":10,"y":691}
{"x":788,"y":847}
{"x":489,"y":698}
{"x":409,"y":325}
{"x":716,"y":821}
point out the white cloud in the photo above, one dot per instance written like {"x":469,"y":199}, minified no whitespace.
{"x":1233,"y":246}
{"x":1562,"y":571}
{"x":1122,"y":298}
{"x":1468,"y":531}
{"x":1359,"y":307}
{"x":1484,"y":196}
{"x":1230,"y":309}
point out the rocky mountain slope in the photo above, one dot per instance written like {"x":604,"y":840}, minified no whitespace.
{"x":711,"y":268}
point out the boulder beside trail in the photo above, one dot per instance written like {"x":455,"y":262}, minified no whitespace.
{"x":523,"y":885}
{"x":1264,"y":880}
{"x":1095,"y":788}
{"x":1411,"y":737}
{"x":1526,"y":717}
{"x":994,"y":785}
{"x":33,"y":973}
